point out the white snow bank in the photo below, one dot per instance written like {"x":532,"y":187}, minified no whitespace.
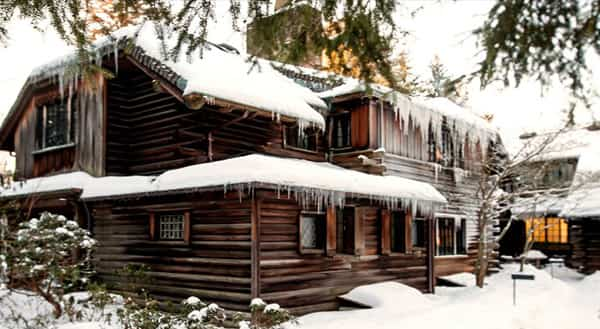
{"x":387,"y":295}
{"x":535,"y":255}
{"x":308,"y":181}
{"x":544,"y":303}
{"x":218,"y":74}
{"x":464,"y":279}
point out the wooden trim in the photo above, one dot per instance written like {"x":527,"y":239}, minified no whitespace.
{"x":408,"y":218}
{"x":386,"y":234}
{"x":187,"y":228}
{"x":152,"y":226}
{"x":359,"y":234}
{"x":431,"y":233}
{"x":331,"y":228}
{"x":255,"y":252}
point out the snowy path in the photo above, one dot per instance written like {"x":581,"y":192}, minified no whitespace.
{"x":546,"y":303}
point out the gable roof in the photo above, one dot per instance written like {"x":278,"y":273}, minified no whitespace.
{"x":307,"y":181}
{"x":217,"y":74}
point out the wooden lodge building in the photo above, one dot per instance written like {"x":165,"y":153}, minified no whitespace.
{"x":231,"y":183}
{"x":560,"y":212}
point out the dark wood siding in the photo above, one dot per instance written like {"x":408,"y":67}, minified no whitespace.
{"x":150,"y":131}
{"x":215,"y":266}
{"x":584,"y":236}
{"x":307,"y":282}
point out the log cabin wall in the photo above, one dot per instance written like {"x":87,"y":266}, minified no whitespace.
{"x":389,"y":146}
{"x":308,"y":282}
{"x":584,"y":236}
{"x":150,"y":131}
{"x":215,"y":265}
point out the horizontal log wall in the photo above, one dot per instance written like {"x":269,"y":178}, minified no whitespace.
{"x":307,"y":282}
{"x":150,"y":131}
{"x":584,"y":236}
{"x":214,"y":267}
{"x":460,"y":190}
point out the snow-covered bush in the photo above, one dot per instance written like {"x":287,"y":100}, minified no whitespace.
{"x":267,"y":316}
{"x":192,"y":313}
{"x":46,"y":256}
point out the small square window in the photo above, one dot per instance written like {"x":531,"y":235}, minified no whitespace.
{"x":171,"y":226}
{"x":312,"y":232}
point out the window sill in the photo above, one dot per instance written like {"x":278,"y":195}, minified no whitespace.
{"x":452,"y":256}
{"x":53,"y":148}
{"x":299,"y":149}
{"x":312,"y":251}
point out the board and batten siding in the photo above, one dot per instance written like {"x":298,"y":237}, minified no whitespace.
{"x":87,"y":154}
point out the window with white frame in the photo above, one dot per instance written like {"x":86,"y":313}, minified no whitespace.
{"x":171,"y":226}
{"x":451,"y":237}
{"x":312,"y":231}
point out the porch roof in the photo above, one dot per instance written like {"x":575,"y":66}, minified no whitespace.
{"x":307,"y":181}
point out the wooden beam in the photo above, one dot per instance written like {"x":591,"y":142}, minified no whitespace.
{"x":152,"y":226}
{"x":386,"y":236}
{"x":359,"y":234}
{"x":331,"y":228}
{"x":255,"y":252}
{"x":430,"y":253}
{"x":408,"y":218}
{"x":173,"y":91}
{"x":187,"y":228}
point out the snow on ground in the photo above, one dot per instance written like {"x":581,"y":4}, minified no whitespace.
{"x":569,"y":300}
{"x":544,"y":303}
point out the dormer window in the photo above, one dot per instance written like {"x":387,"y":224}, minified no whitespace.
{"x":55,"y":124}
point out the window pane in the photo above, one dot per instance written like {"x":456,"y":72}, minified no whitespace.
{"x":56,"y":125}
{"x":398,"y":232}
{"x":461,"y":236}
{"x":564,"y":231}
{"x":418,"y":232}
{"x":171,"y":226}
{"x":309,"y":232}
{"x":341,"y":130}
{"x":445,"y":236}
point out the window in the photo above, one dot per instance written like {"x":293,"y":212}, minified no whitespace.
{"x":171,"y":226}
{"x":345,"y":231}
{"x":418,"y":232}
{"x":341,"y":130}
{"x":451,"y":236}
{"x":174,"y":226}
{"x":548,"y":230}
{"x":398,"y":231}
{"x":306,"y":140}
{"x":312,"y":232}
{"x":55,"y":124}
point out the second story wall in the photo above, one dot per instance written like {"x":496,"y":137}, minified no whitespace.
{"x":59,"y":133}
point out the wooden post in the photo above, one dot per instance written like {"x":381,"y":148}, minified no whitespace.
{"x":359,"y":234}
{"x":255,"y":252}
{"x":386,"y":236}
{"x":331,"y":227}
{"x":408,"y":231}
{"x":152,"y":226}
{"x":430,"y":253}
{"x":187,"y":228}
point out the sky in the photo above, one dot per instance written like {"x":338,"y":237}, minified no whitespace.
{"x":442,"y":28}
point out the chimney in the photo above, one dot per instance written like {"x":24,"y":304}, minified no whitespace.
{"x":280,"y":4}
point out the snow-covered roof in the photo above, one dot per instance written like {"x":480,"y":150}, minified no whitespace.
{"x":308,"y":181}
{"x":563,"y":144}
{"x":217,"y":73}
